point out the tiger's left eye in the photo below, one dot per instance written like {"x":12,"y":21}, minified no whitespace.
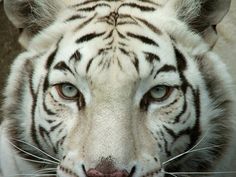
{"x":160,"y":93}
{"x":156,"y":94}
{"x":67,"y":91}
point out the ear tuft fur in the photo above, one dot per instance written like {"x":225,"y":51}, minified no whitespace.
{"x":203,"y":15}
{"x":32,"y":15}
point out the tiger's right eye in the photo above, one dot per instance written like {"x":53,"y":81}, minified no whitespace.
{"x":67,"y":91}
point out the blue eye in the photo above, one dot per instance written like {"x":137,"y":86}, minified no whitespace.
{"x":67,"y":91}
{"x":160,"y":93}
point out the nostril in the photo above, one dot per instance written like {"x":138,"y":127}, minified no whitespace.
{"x":132,"y":171}
{"x":106,"y":168}
{"x":118,"y":173}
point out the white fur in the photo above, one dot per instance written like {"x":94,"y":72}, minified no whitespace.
{"x":112,"y":123}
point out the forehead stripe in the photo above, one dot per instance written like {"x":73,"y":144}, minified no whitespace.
{"x":140,"y":7}
{"x":85,"y":3}
{"x":74,"y":17}
{"x":150,"y":26}
{"x":143,"y":39}
{"x":88,"y":9}
{"x":85,"y":22}
{"x":165,"y":68}
{"x":62,"y":66}
{"x":89,"y":37}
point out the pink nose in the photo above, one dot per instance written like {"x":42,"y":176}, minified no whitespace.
{"x":96,"y":173}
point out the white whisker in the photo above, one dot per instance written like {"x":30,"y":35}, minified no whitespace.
{"x":33,"y":154}
{"x":188,"y":151}
{"x":45,"y":170}
{"x":169,"y":174}
{"x":39,"y":175}
{"x":202,"y":173}
{"x":35,"y":161}
{"x":48,"y":155}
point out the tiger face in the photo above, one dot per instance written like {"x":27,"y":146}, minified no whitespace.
{"x":107,"y":91}
{"x":110,"y":99}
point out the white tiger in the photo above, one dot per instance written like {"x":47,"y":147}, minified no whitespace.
{"x":118,"y":88}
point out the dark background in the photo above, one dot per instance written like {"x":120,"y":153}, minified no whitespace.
{"x":9,"y":47}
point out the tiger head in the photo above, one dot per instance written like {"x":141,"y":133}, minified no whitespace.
{"x":119,"y":88}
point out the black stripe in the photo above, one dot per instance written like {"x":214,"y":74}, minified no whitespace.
{"x":119,"y":64}
{"x":136,"y":64}
{"x":89,"y":64}
{"x":121,"y":35}
{"x":33,"y":108}
{"x":48,"y":111}
{"x":81,"y":102}
{"x":89,"y":37}
{"x":88,"y":9}
{"x":93,"y":1}
{"x":76,"y":56}
{"x":143,"y":39}
{"x":150,"y":26}
{"x":173,"y":102}
{"x":85,"y":22}
{"x":197,"y":103}
{"x":46,"y":136}
{"x":181,"y":60}
{"x":51,"y":58}
{"x":137,"y":6}
{"x":151,"y":56}
{"x":165,"y":144}
{"x":196,"y":130}
{"x":184,"y":108}
{"x":45,"y":84}
{"x":122,"y":44}
{"x":165,"y":68}
{"x":110,"y":43}
{"x":74,"y":17}
{"x":126,"y":23}
{"x":50,"y":121}
{"x":124,"y":51}
{"x":171,"y":132}
{"x":62,"y":66}
{"x":60,"y":142}
{"x":109,"y":35}
{"x":85,"y":3}
{"x":53,"y":128}
{"x":182,"y":66}
{"x":103,"y":50}
{"x":52,"y":55}
{"x":150,"y":2}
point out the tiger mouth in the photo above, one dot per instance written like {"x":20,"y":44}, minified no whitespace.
{"x":117,"y":173}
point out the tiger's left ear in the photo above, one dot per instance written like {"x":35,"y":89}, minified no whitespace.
{"x":204,"y":20}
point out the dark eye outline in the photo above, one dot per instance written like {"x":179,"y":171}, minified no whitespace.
{"x":63,"y":96}
{"x":148,"y":98}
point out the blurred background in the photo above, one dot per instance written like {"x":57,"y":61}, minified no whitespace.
{"x":9,"y":47}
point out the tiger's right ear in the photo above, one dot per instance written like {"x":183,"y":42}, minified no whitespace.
{"x":30,"y":16}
